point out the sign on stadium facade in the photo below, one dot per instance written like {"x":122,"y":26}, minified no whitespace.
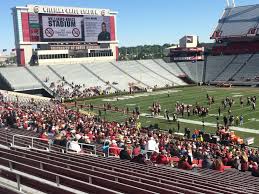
{"x":66,"y":10}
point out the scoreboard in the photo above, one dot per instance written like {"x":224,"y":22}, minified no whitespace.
{"x":61,"y":24}
{"x":38,"y":27}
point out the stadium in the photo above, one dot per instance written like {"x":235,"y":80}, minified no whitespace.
{"x":76,"y":119}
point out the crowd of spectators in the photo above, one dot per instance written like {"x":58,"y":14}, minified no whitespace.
{"x":125,"y":140}
{"x":69,"y":91}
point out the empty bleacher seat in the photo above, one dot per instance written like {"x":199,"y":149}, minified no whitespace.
{"x":20,"y":78}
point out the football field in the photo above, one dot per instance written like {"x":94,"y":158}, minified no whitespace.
{"x":186,"y":95}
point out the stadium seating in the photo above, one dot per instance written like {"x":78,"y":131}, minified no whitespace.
{"x":44,"y":74}
{"x":193,"y":70}
{"x":77,"y":75}
{"x":110,"y":175}
{"x":116,"y":76}
{"x":111,"y":74}
{"x":250,"y":71}
{"x":42,"y":161}
{"x":141,"y":74}
{"x":155,"y":67}
{"x":20,"y":79}
{"x":233,"y":67}
{"x":171,"y":67}
{"x":12,"y":97}
{"x":215,"y":65}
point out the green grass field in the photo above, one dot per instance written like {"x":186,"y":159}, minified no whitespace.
{"x":186,"y":95}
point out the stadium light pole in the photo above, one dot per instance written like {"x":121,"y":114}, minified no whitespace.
{"x":233,"y":3}
{"x":227,"y":3}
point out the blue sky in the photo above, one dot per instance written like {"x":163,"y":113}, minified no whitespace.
{"x":139,"y":21}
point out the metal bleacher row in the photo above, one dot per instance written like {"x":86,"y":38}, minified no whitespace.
{"x":232,"y":67}
{"x":57,"y":172}
{"x":193,"y":70}
{"x":142,"y":73}
{"x":118,"y":75}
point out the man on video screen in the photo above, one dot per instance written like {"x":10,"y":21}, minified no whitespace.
{"x":104,"y":35}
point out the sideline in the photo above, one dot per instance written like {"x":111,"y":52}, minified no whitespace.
{"x":247,"y":130}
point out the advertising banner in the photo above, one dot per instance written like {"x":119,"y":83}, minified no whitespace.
{"x":61,"y":27}
{"x":97,"y":28}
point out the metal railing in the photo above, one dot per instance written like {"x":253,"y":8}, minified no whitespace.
{"x":81,"y":146}
{"x":32,"y":141}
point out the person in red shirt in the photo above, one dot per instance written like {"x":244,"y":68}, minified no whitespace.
{"x":184,"y":164}
{"x":153,"y":157}
{"x":162,"y":158}
{"x":136,"y":150}
{"x":90,"y":135}
{"x":44,"y":136}
{"x":114,"y":149}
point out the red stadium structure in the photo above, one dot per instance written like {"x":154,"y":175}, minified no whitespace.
{"x":64,"y":35}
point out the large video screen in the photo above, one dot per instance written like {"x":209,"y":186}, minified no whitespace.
{"x":97,"y":28}
{"x":55,"y":28}
{"x":61,"y":27}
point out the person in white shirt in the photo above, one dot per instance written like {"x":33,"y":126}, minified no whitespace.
{"x":151,"y":146}
{"x":74,"y":146}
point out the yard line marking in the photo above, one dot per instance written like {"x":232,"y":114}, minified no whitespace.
{"x":247,"y":130}
{"x":146,"y":94}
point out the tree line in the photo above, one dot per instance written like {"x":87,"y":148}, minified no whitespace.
{"x":142,"y":52}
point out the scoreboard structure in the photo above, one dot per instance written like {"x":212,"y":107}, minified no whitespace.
{"x":54,"y":35}
{"x":188,"y":50}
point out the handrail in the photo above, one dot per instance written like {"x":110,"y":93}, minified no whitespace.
{"x":81,"y":146}
{"x":32,"y":140}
